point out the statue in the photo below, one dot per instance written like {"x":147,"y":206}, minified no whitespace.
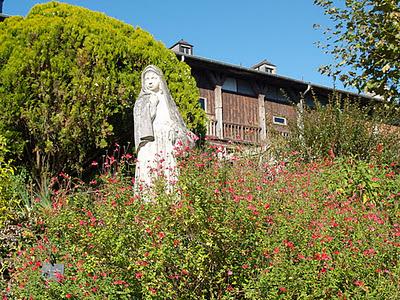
{"x":159,"y":129}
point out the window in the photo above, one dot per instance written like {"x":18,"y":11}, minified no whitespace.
{"x":203,"y":103}
{"x":238,"y":86}
{"x":230,"y":84}
{"x":186,"y":50}
{"x":268,"y":70}
{"x":244,"y":87}
{"x":279,"y":120}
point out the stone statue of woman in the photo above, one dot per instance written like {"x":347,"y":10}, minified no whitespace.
{"x":158,"y":129}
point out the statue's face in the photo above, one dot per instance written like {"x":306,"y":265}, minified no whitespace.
{"x":152,"y":81}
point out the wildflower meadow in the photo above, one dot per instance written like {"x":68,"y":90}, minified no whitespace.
{"x":234,"y":227}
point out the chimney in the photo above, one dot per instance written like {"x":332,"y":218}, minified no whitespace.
{"x":182,"y":47}
{"x":265,"y":66}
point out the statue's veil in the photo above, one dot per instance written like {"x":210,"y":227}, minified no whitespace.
{"x":184,"y":134}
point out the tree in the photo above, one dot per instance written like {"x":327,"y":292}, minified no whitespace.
{"x":68,"y":81}
{"x":365,"y":44}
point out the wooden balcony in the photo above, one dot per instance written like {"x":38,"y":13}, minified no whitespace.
{"x":242,"y":133}
{"x":234,"y":132}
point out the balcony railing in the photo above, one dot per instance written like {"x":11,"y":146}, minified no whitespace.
{"x":212,"y":128}
{"x":241,"y":133}
{"x":234,"y":132}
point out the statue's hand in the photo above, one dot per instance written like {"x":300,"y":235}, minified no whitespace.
{"x":173,"y":135}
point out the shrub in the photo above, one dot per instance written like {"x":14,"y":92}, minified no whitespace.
{"x":68,"y":81}
{"x":233,"y":229}
{"x":345,"y":127}
{"x":9,"y":200}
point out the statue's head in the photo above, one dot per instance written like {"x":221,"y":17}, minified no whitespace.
{"x":152,"y":79}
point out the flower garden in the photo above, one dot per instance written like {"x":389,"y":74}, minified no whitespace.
{"x":314,"y":217}
{"x":235,"y":228}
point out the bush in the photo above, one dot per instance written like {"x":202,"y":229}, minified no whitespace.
{"x":345,"y":127}
{"x":9,"y":200}
{"x":233,"y":229}
{"x":68,"y":81}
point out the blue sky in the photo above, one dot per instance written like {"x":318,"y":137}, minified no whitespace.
{"x":236,"y":32}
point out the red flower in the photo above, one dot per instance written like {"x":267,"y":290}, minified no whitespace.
{"x":118,"y":282}
{"x":161,"y":235}
{"x":379,"y":148}
{"x":322,"y":256}
{"x":139,"y":275}
{"x":358,"y":283}
{"x":369,"y":252}
{"x":68,"y":296}
{"x":184,"y":272}
{"x":331,"y":153}
{"x":288,"y":244}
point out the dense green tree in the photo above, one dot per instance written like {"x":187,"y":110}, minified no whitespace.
{"x":68,"y":81}
{"x":365,"y":43}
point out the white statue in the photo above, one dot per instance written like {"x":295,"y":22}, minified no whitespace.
{"x":159,"y":128}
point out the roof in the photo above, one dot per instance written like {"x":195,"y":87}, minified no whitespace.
{"x":182,"y":42}
{"x":263,"y":62}
{"x":273,"y":79}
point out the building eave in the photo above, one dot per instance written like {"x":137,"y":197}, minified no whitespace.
{"x":274,"y":79}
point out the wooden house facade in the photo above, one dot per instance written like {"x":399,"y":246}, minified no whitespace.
{"x":245,"y":104}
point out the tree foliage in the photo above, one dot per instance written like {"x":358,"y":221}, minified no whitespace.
{"x":346,"y":127}
{"x":365,"y":43}
{"x":68,"y":81}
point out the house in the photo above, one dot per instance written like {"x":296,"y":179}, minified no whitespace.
{"x":245,"y":104}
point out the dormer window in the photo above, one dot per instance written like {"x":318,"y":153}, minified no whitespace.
{"x":265,"y":66}
{"x":183,"y":47}
{"x":186,"y":49}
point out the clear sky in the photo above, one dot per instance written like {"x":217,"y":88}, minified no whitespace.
{"x":236,"y":32}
